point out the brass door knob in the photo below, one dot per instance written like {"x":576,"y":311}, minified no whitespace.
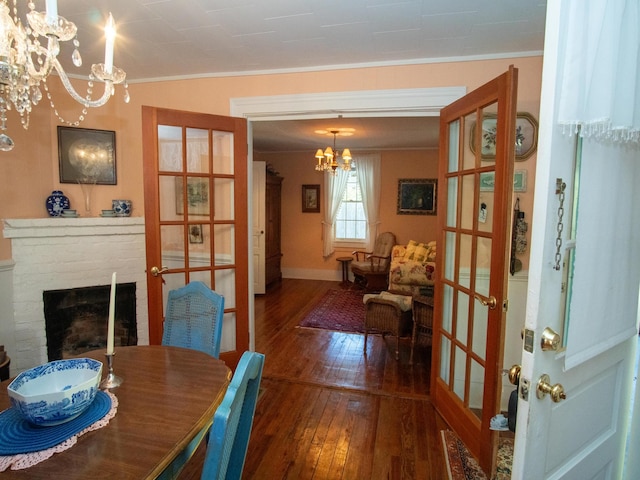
{"x":490,"y":301}
{"x":514,"y":374}
{"x":155,"y":271}
{"x":544,"y":387}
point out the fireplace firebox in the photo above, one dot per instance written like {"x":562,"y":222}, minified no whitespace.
{"x":76,"y":319}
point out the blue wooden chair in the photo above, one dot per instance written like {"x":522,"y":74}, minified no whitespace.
{"x":232,"y":422}
{"x":193,"y":319}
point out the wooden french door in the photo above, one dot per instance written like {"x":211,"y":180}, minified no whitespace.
{"x":477,"y":143}
{"x":196,"y":220}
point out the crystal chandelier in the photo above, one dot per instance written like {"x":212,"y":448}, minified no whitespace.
{"x":29,"y":54}
{"x":328,"y":160}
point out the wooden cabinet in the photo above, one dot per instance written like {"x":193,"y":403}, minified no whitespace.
{"x":272,"y":249}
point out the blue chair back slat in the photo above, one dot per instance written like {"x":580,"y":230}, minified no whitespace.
{"x":193,"y":319}
{"x":232,"y":422}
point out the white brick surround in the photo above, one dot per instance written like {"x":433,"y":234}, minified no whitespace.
{"x":61,"y":253}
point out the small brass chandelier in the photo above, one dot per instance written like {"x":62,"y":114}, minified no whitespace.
{"x":328,"y":160}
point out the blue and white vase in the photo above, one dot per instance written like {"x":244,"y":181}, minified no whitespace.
{"x":56,"y":203}
{"x":121,"y":207}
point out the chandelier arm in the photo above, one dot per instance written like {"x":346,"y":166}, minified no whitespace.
{"x":43,"y":72}
{"x":108,"y":87}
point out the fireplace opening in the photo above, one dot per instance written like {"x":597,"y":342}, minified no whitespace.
{"x":76,"y":319}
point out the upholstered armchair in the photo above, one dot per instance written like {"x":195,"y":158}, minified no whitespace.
{"x":371,"y":269}
{"x":413,"y":269}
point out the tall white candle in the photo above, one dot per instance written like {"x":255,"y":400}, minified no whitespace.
{"x":112,"y":312}
{"x":52,"y":11}
{"x":110,"y":34}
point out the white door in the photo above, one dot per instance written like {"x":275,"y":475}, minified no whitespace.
{"x":258,"y":199}
{"x":583,"y":284}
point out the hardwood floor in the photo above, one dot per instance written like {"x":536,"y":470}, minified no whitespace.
{"x":326,"y":411}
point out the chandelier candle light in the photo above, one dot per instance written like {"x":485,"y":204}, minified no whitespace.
{"x":328,"y":160}
{"x":25,"y":63}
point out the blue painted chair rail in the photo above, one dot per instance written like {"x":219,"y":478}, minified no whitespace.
{"x":193,"y":319}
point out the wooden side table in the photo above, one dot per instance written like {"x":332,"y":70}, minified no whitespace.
{"x":345,"y":261}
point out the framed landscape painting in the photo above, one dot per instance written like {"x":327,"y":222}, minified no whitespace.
{"x":417,"y":196}
{"x":87,"y":156}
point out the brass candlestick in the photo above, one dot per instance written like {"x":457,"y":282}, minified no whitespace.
{"x":112,"y":380}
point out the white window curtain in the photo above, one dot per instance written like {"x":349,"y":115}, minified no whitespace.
{"x":600,"y":79}
{"x":368,"y":172}
{"x":335,"y":187}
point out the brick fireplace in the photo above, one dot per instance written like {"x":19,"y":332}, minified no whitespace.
{"x":68,"y":253}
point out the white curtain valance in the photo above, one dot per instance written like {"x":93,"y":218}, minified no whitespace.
{"x":600,"y":77}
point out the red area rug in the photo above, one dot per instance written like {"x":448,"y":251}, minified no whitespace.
{"x":339,"y":310}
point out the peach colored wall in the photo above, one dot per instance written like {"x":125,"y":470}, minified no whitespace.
{"x":302,"y":232}
{"x":30,"y":171}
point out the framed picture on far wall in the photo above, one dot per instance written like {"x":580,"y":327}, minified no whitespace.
{"x":417,"y":196}
{"x":87,"y":156}
{"x":310,"y":198}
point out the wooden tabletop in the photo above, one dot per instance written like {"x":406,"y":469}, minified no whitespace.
{"x":168,"y":395}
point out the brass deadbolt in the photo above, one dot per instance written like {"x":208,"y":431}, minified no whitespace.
{"x":550,"y":340}
{"x":544,"y":387}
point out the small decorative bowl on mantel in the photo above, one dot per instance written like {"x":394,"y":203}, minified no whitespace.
{"x":56,"y":392}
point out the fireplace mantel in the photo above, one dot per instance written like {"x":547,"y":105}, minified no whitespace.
{"x":63,"y":253}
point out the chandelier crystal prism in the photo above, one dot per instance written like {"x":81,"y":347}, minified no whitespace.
{"x":328,"y":160}
{"x":29,"y":54}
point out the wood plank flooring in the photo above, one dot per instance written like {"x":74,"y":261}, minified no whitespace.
{"x":326,"y":411}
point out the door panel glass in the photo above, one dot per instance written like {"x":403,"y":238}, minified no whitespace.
{"x":445,"y":358}
{"x":224,"y":242}
{"x":480,"y":322}
{"x":465,"y":260}
{"x":470,"y":141}
{"x":172,"y":246}
{"x":203,"y":276}
{"x":199,"y":245}
{"x":226,"y":285}
{"x":489,"y":133}
{"x":228,"y":341}
{"x":452,"y":201}
{"x":447,"y":308}
{"x":171,"y":281}
{"x":169,"y":148}
{"x":223,"y":199}
{"x":197,"y":150}
{"x":168,"y":199}
{"x":476,"y":388}
{"x":460,"y":373}
{"x":454,"y":136}
{"x":467,"y":213}
{"x":483,"y":265}
{"x":485,"y":216}
{"x":222,"y":153}
{"x":449,"y":256}
{"x":197,"y":198}
{"x":462,"y":325}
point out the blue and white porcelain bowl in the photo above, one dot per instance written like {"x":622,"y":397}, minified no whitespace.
{"x":122,"y":207}
{"x":55,"y":392}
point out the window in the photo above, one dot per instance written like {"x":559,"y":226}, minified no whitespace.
{"x":351,"y":221}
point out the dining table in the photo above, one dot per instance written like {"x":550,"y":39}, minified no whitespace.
{"x":167,"y":397}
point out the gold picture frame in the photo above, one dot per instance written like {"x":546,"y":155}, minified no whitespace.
{"x":310,"y":198}
{"x":526,"y":136}
{"x":417,"y":196}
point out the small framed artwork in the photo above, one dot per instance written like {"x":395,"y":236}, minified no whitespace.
{"x":520,"y":181}
{"x":526,"y":136}
{"x":197,"y":196}
{"x":87,"y":156}
{"x":487,"y":181}
{"x":195,"y":234}
{"x":417,"y":196}
{"x":310,"y":198}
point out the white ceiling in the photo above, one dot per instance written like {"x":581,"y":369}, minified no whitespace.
{"x":161,"y":39}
